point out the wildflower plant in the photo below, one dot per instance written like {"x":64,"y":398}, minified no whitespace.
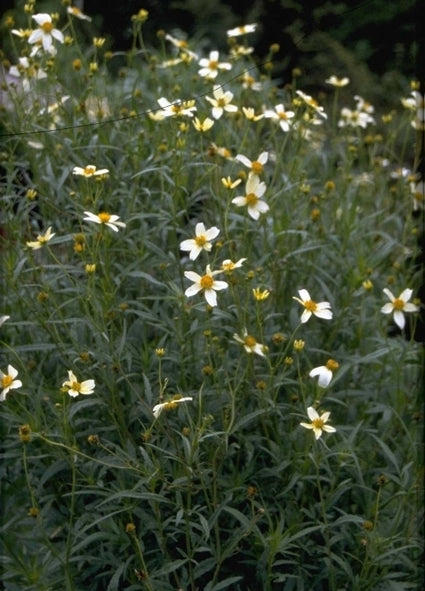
{"x":160,"y":375}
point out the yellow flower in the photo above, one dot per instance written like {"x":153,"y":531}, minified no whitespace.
{"x":259,"y":294}
{"x":204,"y":125}
{"x":229,"y":184}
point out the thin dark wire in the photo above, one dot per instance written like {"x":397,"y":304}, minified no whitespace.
{"x":147,"y":111}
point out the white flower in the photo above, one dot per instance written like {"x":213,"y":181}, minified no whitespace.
{"x":25,"y":70}
{"x":399,"y":305}
{"x":249,"y":343}
{"x":254,"y":190}
{"x":205,"y":283}
{"x":177,"y":108}
{"x":354,"y":118}
{"x":45,"y":34}
{"x":74,"y":387}
{"x":255,"y":166}
{"x":4,"y":319}
{"x":89,"y":171}
{"x":325,"y":373}
{"x":318,"y":423}
{"x":319,"y":309}
{"x":418,"y":193}
{"x":211,"y":65}
{"x":228,"y":266}
{"x":74,"y":11}
{"x":105,"y":218}
{"x":311,"y":102}
{"x":249,"y":81}
{"x":243,"y":30}
{"x":337,"y":82}
{"x":221,"y":102}
{"x":202,"y":240}
{"x":158,"y":408}
{"x":8,"y":382}
{"x":279,"y":114}
{"x":42,"y":239}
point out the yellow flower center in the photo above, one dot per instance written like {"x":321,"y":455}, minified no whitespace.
{"x":221,"y":102}
{"x":6,"y":381}
{"x":257,"y":167}
{"x":250,"y":341}
{"x":332,"y":364}
{"x":318,"y":423}
{"x":200,"y":240}
{"x":398,"y":304}
{"x":104,"y":217}
{"x":47,"y":27}
{"x":89,"y":170}
{"x":251,"y":199}
{"x":310,"y":305}
{"x":283,"y":115}
{"x":76,"y":386}
{"x":207,"y":282}
{"x":213,"y":65}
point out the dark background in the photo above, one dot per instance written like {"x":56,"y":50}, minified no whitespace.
{"x":374,"y":42}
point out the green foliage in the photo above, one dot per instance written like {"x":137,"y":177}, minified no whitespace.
{"x":221,"y":487}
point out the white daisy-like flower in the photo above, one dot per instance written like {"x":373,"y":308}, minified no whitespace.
{"x":243,"y":30}
{"x":89,"y":171}
{"x":228,"y":265}
{"x":177,"y":108}
{"x":25,"y":70}
{"x":279,"y":114}
{"x":211,"y":65}
{"x":355,"y":118}
{"x":398,"y":306}
{"x":169,"y":405}
{"x":205,"y":283}
{"x":318,"y":423}
{"x":255,"y":166}
{"x":254,"y":190}
{"x":221,"y":102}
{"x":250,"y":343}
{"x":74,"y":11}
{"x":325,"y":373}
{"x":319,"y":309}
{"x":337,"y":82}
{"x":45,"y":34}
{"x":74,"y":387}
{"x":311,"y":102}
{"x":8,"y":382}
{"x":42,"y":239}
{"x":202,"y":241}
{"x":105,"y":218}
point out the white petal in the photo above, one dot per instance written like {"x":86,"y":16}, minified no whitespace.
{"x":211,"y":297}
{"x":399,"y":319}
